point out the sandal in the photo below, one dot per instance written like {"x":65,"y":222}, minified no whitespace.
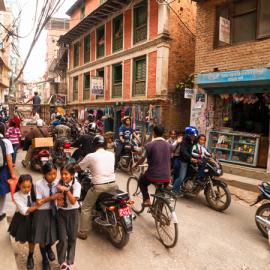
{"x":64,"y":266}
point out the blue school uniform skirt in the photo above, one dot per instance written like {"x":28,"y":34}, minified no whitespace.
{"x":4,"y":176}
{"x":44,"y":227}
{"x":21,"y":228}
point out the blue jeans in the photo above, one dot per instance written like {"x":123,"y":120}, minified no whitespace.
{"x":182,"y":175}
{"x":14,"y":155}
{"x":176,"y":168}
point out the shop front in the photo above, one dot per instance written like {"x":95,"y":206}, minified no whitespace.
{"x":236,"y":115}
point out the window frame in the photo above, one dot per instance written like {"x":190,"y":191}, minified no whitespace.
{"x":115,"y":83}
{"x":97,"y":71}
{"x":135,"y":63}
{"x":144,"y":4}
{"x":75,"y":97}
{"x":76,"y":56}
{"x":97,"y":45}
{"x":118,"y":18}
{"x":86,"y":53}
{"x":86,"y":90}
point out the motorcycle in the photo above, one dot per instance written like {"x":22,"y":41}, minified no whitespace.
{"x":62,"y":153}
{"x":214,"y":189}
{"x":40,"y":157}
{"x":112,"y":213}
{"x":75,"y":130}
{"x":262,"y":216}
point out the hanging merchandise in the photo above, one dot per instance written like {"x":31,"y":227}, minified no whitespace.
{"x":250,"y":99}
{"x":237,"y":98}
{"x":224,"y":96}
{"x":266,"y":98}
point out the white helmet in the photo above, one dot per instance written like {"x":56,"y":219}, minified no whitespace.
{"x":92,"y":127}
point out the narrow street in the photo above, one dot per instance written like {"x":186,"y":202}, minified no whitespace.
{"x":207,"y":240}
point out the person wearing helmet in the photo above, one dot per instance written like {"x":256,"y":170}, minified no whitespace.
{"x":191,"y":133}
{"x":101,"y":166}
{"x":62,"y":131}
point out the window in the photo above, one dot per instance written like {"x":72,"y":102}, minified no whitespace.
{"x":117,"y":80}
{"x":86,"y":86}
{"x":140,"y":22}
{"x":118,"y":33}
{"x":76,"y":53}
{"x":139,"y":77}
{"x":100,"y":73}
{"x":86,"y":51}
{"x":83,"y":9}
{"x":100,"y":41}
{"x":75,"y":88}
{"x":242,"y":21}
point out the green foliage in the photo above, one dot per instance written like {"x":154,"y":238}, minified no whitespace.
{"x":188,"y":82}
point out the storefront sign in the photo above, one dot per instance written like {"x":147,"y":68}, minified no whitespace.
{"x":224,"y":30}
{"x":188,"y":93}
{"x":97,"y":86}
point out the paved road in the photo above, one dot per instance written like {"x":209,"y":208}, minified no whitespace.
{"x":207,"y":240}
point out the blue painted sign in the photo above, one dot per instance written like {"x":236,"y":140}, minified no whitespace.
{"x":234,"y":78}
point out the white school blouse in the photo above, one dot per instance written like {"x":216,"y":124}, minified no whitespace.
{"x":20,"y":200}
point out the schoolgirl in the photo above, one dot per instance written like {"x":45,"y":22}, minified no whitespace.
{"x":68,"y":217}
{"x":44,"y":220}
{"x":21,"y":224}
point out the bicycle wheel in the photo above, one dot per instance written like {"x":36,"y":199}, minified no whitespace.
{"x":166,"y":223}
{"x":135,"y":194}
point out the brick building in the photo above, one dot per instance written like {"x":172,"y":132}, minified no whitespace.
{"x":141,"y":50}
{"x":232,"y":63}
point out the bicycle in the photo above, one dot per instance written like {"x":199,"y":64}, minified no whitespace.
{"x":162,"y":209}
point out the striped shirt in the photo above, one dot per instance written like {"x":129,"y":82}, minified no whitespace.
{"x":14,"y":135}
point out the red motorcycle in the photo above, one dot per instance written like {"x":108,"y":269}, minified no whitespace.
{"x":40,"y":156}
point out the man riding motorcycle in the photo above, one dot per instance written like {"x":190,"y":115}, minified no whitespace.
{"x":191,"y":133}
{"x":101,"y":165}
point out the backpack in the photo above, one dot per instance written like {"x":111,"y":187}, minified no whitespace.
{"x":3,"y":154}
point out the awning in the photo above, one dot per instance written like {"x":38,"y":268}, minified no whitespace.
{"x":239,"y":90}
{"x":98,"y":15}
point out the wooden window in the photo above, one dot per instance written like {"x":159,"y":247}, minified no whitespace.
{"x":139,"y":76}
{"x":100,"y":73}
{"x":264,"y":21}
{"x":86,"y":86}
{"x":100,"y":41}
{"x":82,"y":10}
{"x":76,"y":54}
{"x":117,"y":80}
{"x":86,"y":49}
{"x":140,"y":22}
{"x":75,"y":88}
{"x":118,"y":33}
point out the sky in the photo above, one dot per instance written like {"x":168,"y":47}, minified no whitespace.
{"x":36,"y":65}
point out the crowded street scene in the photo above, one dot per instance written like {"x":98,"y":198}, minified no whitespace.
{"x":134,"y":134}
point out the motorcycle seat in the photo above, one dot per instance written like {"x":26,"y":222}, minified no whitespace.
{"x":112,"y":195}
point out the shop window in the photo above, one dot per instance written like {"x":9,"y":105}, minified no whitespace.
{"x":100,"y":73}
{"x":86,"y":51}
{"x":75,"y":88}
{"x":118,"y":33}
{"x":117,"y":81}
{"x":82,"y":10}
{"x":76,"y":54}
{"x":242,"y":21}
{"x":86,"y":86}
{"x":140,"y":22}
{"x":139,"y":79}
{"x":100,"y":41}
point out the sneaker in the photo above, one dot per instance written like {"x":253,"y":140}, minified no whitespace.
{"x":82,"y":235}
{"x":30,"y":263}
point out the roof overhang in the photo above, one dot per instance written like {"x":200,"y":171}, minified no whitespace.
{"x":98,"y":15}
{"x":76,"y":5}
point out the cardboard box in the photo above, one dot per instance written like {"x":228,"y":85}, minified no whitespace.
{"x":42,"y":142}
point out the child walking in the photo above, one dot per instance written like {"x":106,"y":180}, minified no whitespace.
{"x":44,"y":220}
{"x":21,"y":224}
{"x":68,"y":217}
{"x":200,"y":152}
{"x":14,"y":135}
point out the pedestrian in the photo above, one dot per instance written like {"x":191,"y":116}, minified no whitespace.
{"x":14,"y":135}
{"x":44,"y":220}
{"x":68,"y":217}
{"x":6,"y":169}
{"x":176,"y":156}
{"x":15,"y":118}
{"x":36,"y":102}
{"x":21,"y":223}
{"x":172,"y":138}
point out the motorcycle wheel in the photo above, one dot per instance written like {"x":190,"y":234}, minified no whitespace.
{"x":118,"y":236}
{"x":216,"y":202}
{"x":263,"y":211}
{"x":135,"y":194}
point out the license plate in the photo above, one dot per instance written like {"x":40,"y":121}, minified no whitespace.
{"x":125,"y":211}
{"x":44,"y":159}
{"x":68,"y":151}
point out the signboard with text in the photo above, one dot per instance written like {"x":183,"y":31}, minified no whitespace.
{"x":188,"y":93}
{"x":97,"y":86}
{"x":224,"y":30}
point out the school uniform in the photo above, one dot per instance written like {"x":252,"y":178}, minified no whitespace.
{"x":44,"y":220}
{"x":67,"y":223}
{"x":21,"y":225}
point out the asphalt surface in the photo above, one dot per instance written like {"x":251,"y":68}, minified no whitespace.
{"x":208,"y":240}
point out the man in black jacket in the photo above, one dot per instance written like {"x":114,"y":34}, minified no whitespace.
{"x":185,"y":157}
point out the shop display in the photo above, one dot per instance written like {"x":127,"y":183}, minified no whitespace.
{"x":235,"y":147}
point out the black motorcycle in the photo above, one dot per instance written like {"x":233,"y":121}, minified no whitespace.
{"x":216,"y":192}
{"x":262,"y":216}
{"x":112,"y":214}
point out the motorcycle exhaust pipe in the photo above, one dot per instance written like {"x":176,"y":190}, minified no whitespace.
{"x":263,"y":221}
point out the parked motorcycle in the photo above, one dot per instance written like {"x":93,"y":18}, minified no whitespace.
{"x":112,"y":214}
{"x":216,"y":192}
{"x":62,"y":153}
{"x":262,"y":216}
{"x":40,"y":157}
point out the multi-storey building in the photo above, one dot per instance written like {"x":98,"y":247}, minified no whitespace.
{"x":126,"y":57}
{"x":232,"y":63}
